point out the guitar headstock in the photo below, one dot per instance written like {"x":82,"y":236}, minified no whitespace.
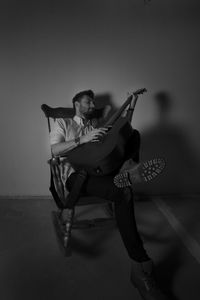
{"x":138,"y":92}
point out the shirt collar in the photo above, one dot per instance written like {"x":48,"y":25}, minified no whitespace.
{"x":79,"y":120}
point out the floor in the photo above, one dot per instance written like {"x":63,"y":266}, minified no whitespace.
{"x":32,"y":267}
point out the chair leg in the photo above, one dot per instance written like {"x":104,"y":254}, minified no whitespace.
{"x":63,"y":227}
{"x":68,"y":227}
{"x":63,"y":230}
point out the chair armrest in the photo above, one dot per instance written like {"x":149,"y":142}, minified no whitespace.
{"x":54,"y":160}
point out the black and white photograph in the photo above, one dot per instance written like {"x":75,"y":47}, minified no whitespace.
{"x":99,"y":152}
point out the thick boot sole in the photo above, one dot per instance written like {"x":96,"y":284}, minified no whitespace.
{"x":143,"y":172}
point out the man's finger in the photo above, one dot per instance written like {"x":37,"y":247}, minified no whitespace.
{"x":103,"y":130}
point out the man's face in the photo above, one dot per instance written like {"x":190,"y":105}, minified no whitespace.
{"x":86,"y":106}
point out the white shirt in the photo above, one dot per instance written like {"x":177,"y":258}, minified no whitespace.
{"x":65,"y":130}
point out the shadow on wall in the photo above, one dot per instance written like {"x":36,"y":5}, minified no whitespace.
{"x":103,"y":99}
{"x":167,"y":139}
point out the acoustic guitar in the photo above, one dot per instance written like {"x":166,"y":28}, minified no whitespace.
{"x":107,"y":155}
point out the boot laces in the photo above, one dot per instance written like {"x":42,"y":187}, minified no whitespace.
{"x":149,"y":282}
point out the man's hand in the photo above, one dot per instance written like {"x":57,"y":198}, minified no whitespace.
{"x":93,"y":135}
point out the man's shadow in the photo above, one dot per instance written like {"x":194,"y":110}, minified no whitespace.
{"x":167,"y":139}
{"x":103,"y":99}
{"x":105,"y":108}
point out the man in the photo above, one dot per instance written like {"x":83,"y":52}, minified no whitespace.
{"x":69,"y":134}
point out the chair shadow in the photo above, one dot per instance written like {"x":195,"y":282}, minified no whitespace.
{"x":90,"y":242}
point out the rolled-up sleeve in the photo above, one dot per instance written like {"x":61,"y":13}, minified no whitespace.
{"x":58,"y":133}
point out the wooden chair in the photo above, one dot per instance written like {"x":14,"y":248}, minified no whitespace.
{"x":64,"y":225}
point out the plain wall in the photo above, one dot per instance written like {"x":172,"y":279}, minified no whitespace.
{"x":52,"y":49}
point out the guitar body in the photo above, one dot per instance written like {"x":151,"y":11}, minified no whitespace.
{"x":107,"y":155}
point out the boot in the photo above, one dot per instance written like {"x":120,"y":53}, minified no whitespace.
{"x":142,"y":172}
{"x":143,"y":279}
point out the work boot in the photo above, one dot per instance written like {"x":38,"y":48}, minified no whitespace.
{"x":142,"y":172}
{"x":142,"y":277}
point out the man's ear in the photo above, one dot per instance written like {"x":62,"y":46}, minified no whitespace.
{"x":76,"y":105}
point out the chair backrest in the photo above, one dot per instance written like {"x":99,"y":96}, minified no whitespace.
{"x":66,"y":112}
{"x":57,"y":112}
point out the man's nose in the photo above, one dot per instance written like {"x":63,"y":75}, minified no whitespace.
{"x":92,"y":105}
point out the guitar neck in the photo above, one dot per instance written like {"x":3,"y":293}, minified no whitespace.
{"x":117,"y":114}
{"x":131,"y":109}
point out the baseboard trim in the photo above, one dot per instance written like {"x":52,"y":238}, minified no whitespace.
{"x":136,"y":196}
{"x":26,"y":197}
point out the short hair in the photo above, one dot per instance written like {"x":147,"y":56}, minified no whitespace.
{"x":81,"y":94}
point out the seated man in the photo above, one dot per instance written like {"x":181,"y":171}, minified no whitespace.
{"x":70,"y":133}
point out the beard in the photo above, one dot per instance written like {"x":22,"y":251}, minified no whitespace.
{"x":88,"y":114}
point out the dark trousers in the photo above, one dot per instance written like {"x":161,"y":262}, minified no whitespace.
{"x":124,"y":210}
